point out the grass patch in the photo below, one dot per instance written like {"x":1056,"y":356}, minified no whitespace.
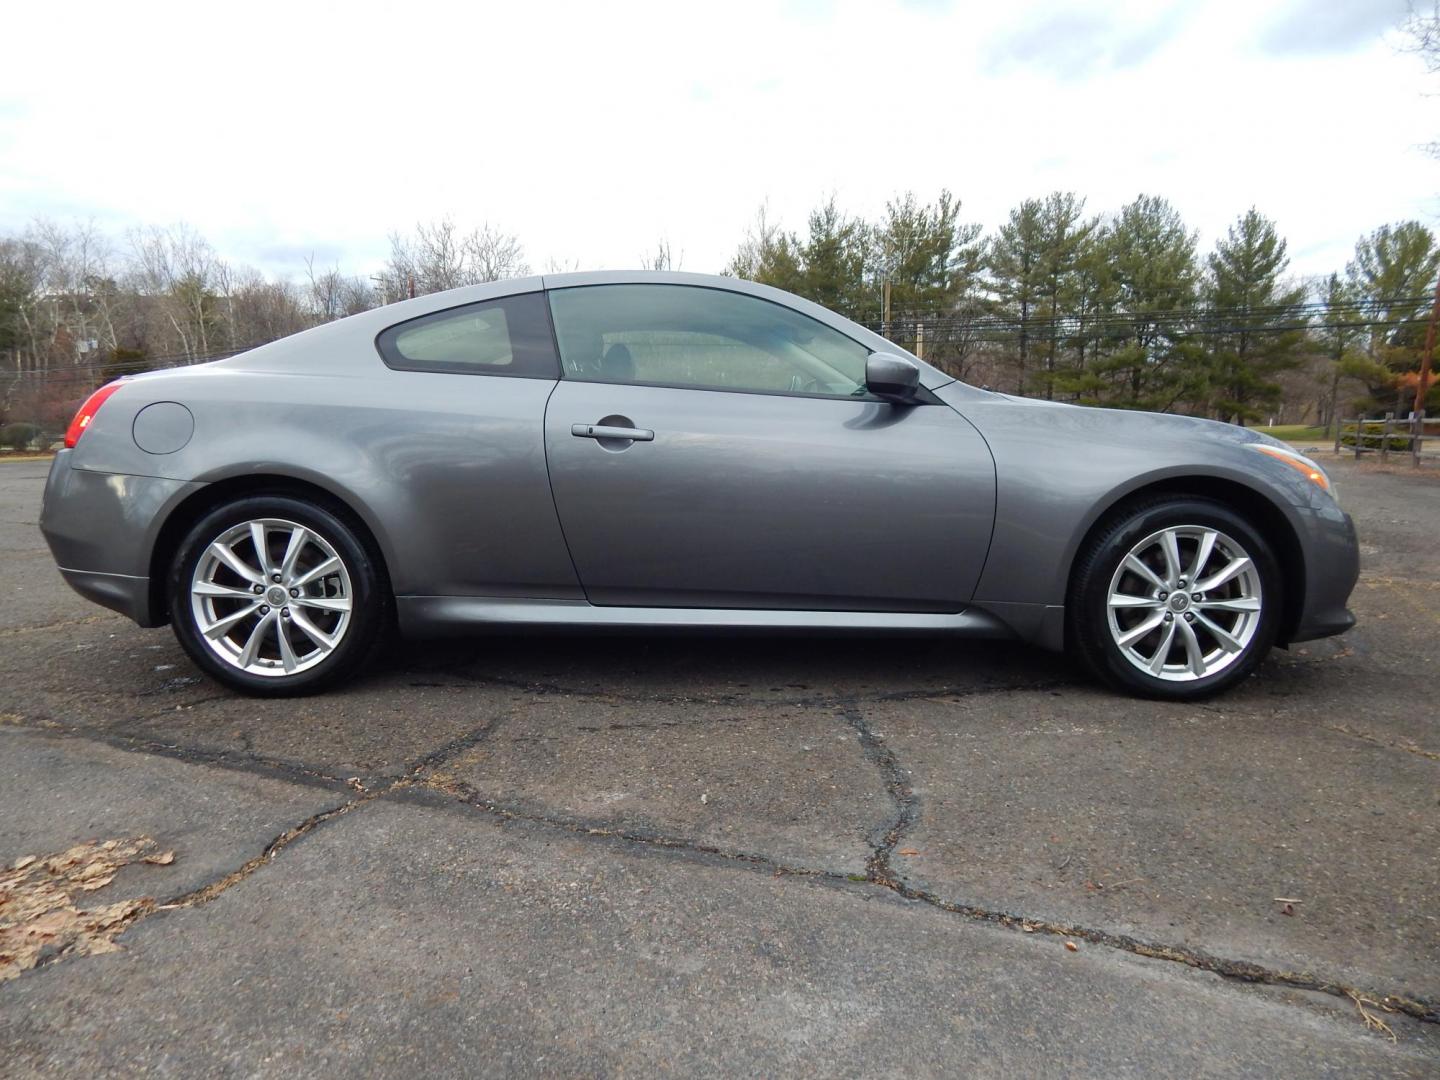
{"x":1297,"y":432}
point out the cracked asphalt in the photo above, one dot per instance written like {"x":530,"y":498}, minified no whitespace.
{"x":611,"y":855}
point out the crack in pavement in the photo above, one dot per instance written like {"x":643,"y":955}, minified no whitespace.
{"x":205,"y":893}
{"x":464,"y":795}
{"x":1388,"y":744}
{"x":245,"y":762}
{"x":879,"y":873}
{"x":897,"y":785}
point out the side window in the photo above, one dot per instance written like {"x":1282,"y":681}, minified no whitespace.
{"x":497,"y":337}
{"x":702,"y":338}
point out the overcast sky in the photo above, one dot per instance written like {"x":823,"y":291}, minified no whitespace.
{"x":591,"y":130}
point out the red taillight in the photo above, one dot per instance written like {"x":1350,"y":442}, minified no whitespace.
{"x":87,"y":413}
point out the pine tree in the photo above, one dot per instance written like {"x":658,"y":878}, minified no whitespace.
{"x":1065,"y":240}
{"x":1394,"y":273}
{"x":1253,"y":312}
{"x":1017,"y":275}
{"x":1144,"y":360}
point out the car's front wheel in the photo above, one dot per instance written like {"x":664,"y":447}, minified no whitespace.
{"x":1175,"y":598}
{"x":275,"y":596}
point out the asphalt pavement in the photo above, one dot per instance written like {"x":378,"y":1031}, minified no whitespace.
{"x":569,"y":855}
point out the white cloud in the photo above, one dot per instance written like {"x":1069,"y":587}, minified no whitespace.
{"x":590,"y":130}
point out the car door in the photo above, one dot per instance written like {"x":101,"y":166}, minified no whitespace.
{"x":709,"y":448}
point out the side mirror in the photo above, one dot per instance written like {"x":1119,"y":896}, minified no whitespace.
{"x":893,"y":378}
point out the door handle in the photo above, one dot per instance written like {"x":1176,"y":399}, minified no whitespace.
{"x":605,"y":431}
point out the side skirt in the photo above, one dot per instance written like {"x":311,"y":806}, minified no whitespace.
{"x":429,"y":616}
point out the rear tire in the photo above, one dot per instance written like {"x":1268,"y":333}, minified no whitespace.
{"x":274,"y":596}
{"x":1176,"y":598}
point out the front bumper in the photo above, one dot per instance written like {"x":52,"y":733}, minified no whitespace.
{"x":1332,"y":565}
{"x":102,"y":529}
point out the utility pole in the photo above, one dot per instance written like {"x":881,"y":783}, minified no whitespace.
{"x":885,"y":309}
{"x":1424,"y":383}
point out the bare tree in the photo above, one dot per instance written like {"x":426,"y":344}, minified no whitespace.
{"x":333,"y":295}
{"x":438,"y":257}
{"x":662,"y":258}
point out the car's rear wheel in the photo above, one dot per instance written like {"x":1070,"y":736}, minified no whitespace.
{"x":1175,"y":598}
{"x":275,"y":596}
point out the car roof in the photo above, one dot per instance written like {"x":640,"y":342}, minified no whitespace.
{"x":314,"y":348}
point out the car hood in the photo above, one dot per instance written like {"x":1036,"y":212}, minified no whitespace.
{"x":1129,"y":422}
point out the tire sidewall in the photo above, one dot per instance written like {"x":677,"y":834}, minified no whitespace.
{"x":367,"y":609}
{"x":1092,"y":628}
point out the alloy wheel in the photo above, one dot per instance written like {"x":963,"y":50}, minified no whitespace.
{"x":271,"y":597}
{"x":1184,"y":603}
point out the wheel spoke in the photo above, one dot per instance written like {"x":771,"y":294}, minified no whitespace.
{"x":329,"y":566}
{"x":226,"y":554}
{"x":298,"y":536}
{"x":1124,"y":600}
{"x":228,"y":592}
{"x":287,"y":651}
{"x":1233,"y":568}
{"x":1170,"y":547}
{"x":1139,"y":630}
{"x":1193,"y":653}
{"x":1202,"y":554}
{"x":1239,"y":603}
{"x":1157,"y":662}
{"x":256,"y":639}
{"x":221,"y":627}
{"x":262,"y":547}
{"x":325,"y":641}
{"x":1138,"y":567}
{"x":323,"y":603}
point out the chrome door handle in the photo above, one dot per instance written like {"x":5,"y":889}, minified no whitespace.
{"x":604,"y":431}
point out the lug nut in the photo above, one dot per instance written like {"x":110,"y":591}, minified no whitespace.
{"x":284,"y":612}
{"x":1189,"y":616}
{"x":1169,"y":617}
{"x":1163,"y":595}
{"x":1181,"y":583}
{"x":257,"y":589}
{"x":276,"y":578}
{"x":296,"y":593}
{"x":264,"y":609}
{"x":1197,"y":597}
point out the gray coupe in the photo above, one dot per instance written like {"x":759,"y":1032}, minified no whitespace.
{"x":661,"y":451}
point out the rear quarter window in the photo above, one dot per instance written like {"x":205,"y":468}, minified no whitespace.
{"x":507,"y":337}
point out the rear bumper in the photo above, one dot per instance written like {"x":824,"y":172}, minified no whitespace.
{"x":102,"y":529}
{"x":130,"y":596}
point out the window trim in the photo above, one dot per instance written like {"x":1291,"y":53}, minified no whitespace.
{"x":565,"y":374}
{"x":393,"y":359}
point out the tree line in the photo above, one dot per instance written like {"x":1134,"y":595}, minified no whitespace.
{"x":1118,"y":309}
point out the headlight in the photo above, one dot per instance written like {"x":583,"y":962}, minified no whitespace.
{"x":1299,"y":462}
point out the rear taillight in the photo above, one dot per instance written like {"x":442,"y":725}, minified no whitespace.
{"x":87,"y":412}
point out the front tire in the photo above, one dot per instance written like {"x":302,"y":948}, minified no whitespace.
{"x":1176,"y":598}
{"x":275,"y":597}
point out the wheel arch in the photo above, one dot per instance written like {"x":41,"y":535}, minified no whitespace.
{"x":1257,"y":507}
{"x":228,"y":489}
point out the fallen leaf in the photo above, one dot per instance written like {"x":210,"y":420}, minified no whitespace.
{"x":908,"y":851}
{"x":1072,"y":946}
{"x":165,"y":858}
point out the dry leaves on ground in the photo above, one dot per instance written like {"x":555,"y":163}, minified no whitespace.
{"x":40,"y":916}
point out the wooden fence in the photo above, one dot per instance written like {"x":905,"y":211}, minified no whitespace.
{"x":1405,"y":436}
